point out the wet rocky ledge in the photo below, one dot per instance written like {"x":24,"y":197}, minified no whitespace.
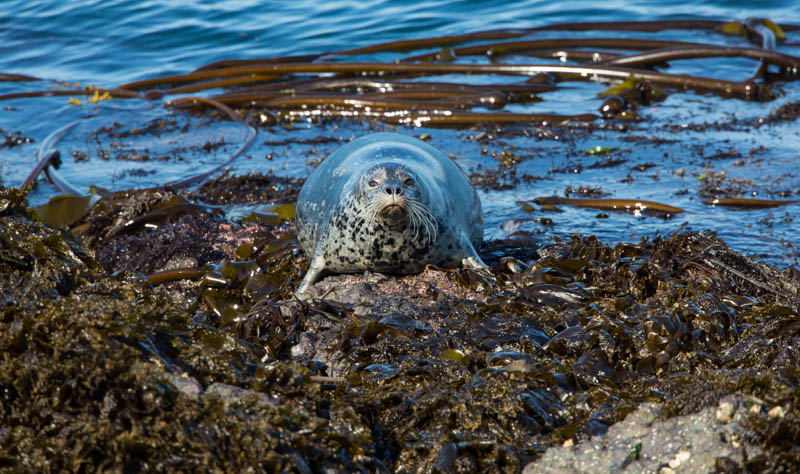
{"x":154,"y":334}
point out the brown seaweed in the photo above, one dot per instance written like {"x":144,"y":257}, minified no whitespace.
{"x":176,"y":274}
{"x":748,"y":90}
{"x":612,"y":204}
{"x":253,"y":133}
{"x":746,"y":203}
{"x":531,"y":46}
{"x":671,"y":54}
{"x":369,"y":89}
{"x":46,"y":152}
{"x":116,"y":92}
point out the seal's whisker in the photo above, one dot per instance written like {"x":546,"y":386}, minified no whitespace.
{"x":430,"y":228}
{"x":373,"y":207}
{"x":416,"y":218}
{"x":425,"y":219}
{"x":422,"y":217}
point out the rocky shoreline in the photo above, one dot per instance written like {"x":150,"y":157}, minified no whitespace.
{"x":672,"y":354}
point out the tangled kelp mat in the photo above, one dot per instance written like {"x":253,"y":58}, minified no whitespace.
{"x":446,"y":371}
{"x":323,"y":85}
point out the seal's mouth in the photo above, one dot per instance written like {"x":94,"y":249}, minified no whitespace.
{"x":394,"y":215}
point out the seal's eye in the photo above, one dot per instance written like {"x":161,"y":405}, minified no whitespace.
{"x":409,"y":182}
{"x":372,"y":183}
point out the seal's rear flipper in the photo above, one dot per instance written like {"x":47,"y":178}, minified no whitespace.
{"x":314,"y":271}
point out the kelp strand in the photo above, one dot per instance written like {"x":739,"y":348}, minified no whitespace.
{"x":748,"y":90}
{"x":528,"y":46}
{"x":46,"y":151}
{"x":387,"y":101}
{"x":470,"y":118}
{"x":646,"y":26}
{"x":176,"y":274}
{"x":447,"y":117}
{"x":750,"y":203}
{"x":666,"y":55}
{"x":225,"y":63}
{"x":366,"y":86}
{"x":9,"y":77}
{"x":612,"y":204}
{"x":214,"y":84}
{"x":201,"y":176}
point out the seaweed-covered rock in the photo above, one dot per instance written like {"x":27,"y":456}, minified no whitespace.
{"x":89,"y":378}
{"x":445,"y":371}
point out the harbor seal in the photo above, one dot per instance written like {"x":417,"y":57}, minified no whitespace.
{"x":387,"y":203}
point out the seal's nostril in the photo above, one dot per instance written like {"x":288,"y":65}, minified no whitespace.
{"x":388,"y":190}
{"x":398,"y":191}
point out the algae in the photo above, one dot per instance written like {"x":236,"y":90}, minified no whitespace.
{"x":449,"y":370}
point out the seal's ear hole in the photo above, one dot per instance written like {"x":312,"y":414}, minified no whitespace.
{"x":372,"y":183}
{"x":409,"y":182}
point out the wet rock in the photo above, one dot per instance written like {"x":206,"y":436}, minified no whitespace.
{"x":185,"y":384}
{"x":231,"y":393}
{"x":645,"y":443}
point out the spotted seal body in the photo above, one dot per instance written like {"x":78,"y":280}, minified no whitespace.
{"x":387,"y":203}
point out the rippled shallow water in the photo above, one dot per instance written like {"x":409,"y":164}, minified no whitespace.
{"x":110,"y":43}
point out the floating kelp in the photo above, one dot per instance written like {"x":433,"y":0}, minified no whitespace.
{"x":48,"y":157}
{"x":253,"y":133}
{"x":282,"y":83}
{"x":314,"y":87}
{"x":116,"y":93}
{"x":646,"y":26}
{"x":665,"y":55}
{"x":629,"y":205}
{"x":466,"y":119}
{"x":600,"y":150}
{"x":281,"y":66}
{"x":746,"y":203}
{"x":744,"y":89}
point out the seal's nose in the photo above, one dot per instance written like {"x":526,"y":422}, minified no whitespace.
{"x":396,"y":191}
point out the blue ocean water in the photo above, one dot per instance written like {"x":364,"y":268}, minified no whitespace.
{"x":112,"y":42}
{"x":108,"y":43}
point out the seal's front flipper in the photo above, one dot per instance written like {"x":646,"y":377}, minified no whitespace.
{"x":314,"y":271}
{"x":471,"y":258}
{"x":474,"y":261}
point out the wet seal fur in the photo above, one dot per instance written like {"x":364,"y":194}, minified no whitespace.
{"x":387,"y":203}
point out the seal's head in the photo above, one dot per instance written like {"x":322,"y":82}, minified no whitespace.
{"x":395,"y":198}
